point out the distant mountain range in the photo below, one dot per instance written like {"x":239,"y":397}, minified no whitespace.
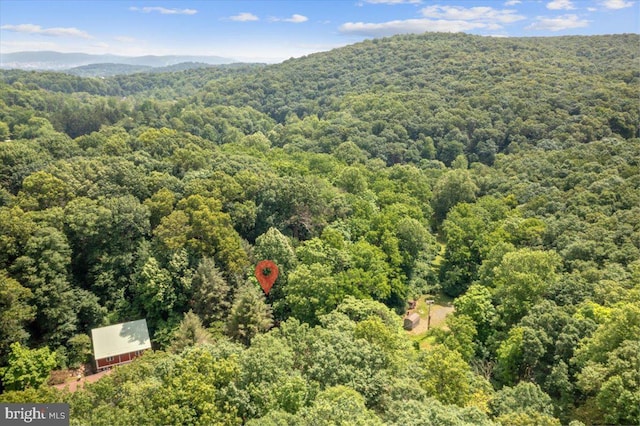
{"x":101,"y":65}
{"x":109,"y":69}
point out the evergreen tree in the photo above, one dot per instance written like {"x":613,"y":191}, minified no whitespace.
{"x":250,"y":315}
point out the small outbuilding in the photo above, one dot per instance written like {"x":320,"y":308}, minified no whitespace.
{"x":119,"y":343}
{"x":411,"y":321}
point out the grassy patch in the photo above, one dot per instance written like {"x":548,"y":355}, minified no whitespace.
{"x":439,"y":310}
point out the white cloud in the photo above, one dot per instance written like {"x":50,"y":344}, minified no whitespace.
{"x":591,"y":9}
{"x":164,"y":10}
{"x":409,"y":26}
{"x":616,"y":4}
{"x":479,"y":14}
{"x":512,"y":2}
{"x":54,"y":32}
{"x":560,"y":5}
{"x":439,"y":18}
{"x":294,"y":19}
{"x":244,"y":17}
{"x":559,"y":23}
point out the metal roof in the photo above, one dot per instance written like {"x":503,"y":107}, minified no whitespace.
{"x":411,"y":320}
{"x":120,"y":338}
{"x":413,"y":317}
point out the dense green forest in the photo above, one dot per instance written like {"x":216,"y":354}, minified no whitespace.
{"x":503,"y":173}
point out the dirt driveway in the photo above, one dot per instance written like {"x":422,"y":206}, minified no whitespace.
{"x":439,"y":311}
{"x":73,"y":385}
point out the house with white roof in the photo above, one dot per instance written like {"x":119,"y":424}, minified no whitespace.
{"x":119,"y":343}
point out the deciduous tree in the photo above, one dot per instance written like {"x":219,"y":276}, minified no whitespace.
{"x":27,"y":368}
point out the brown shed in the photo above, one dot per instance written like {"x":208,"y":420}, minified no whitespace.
{"x":411,"y":321}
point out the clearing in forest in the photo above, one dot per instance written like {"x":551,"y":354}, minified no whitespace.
{"x":440,"y":308}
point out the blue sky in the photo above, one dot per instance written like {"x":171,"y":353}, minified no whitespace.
{"x":277,"y":30}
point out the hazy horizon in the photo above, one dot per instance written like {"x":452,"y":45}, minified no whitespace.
{"x":274,"y":31}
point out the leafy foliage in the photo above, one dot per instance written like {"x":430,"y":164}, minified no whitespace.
{"x":370,"y":174}
{"x":28,"y":368}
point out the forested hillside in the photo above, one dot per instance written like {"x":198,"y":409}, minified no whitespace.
{"x":502,"y":173}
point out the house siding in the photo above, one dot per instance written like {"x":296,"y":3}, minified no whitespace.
{"x":105,"y":363}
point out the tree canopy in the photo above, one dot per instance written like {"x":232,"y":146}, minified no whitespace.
{"x":502,"y":173}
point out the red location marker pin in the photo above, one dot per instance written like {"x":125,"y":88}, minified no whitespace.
{"x":266,"y":273}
